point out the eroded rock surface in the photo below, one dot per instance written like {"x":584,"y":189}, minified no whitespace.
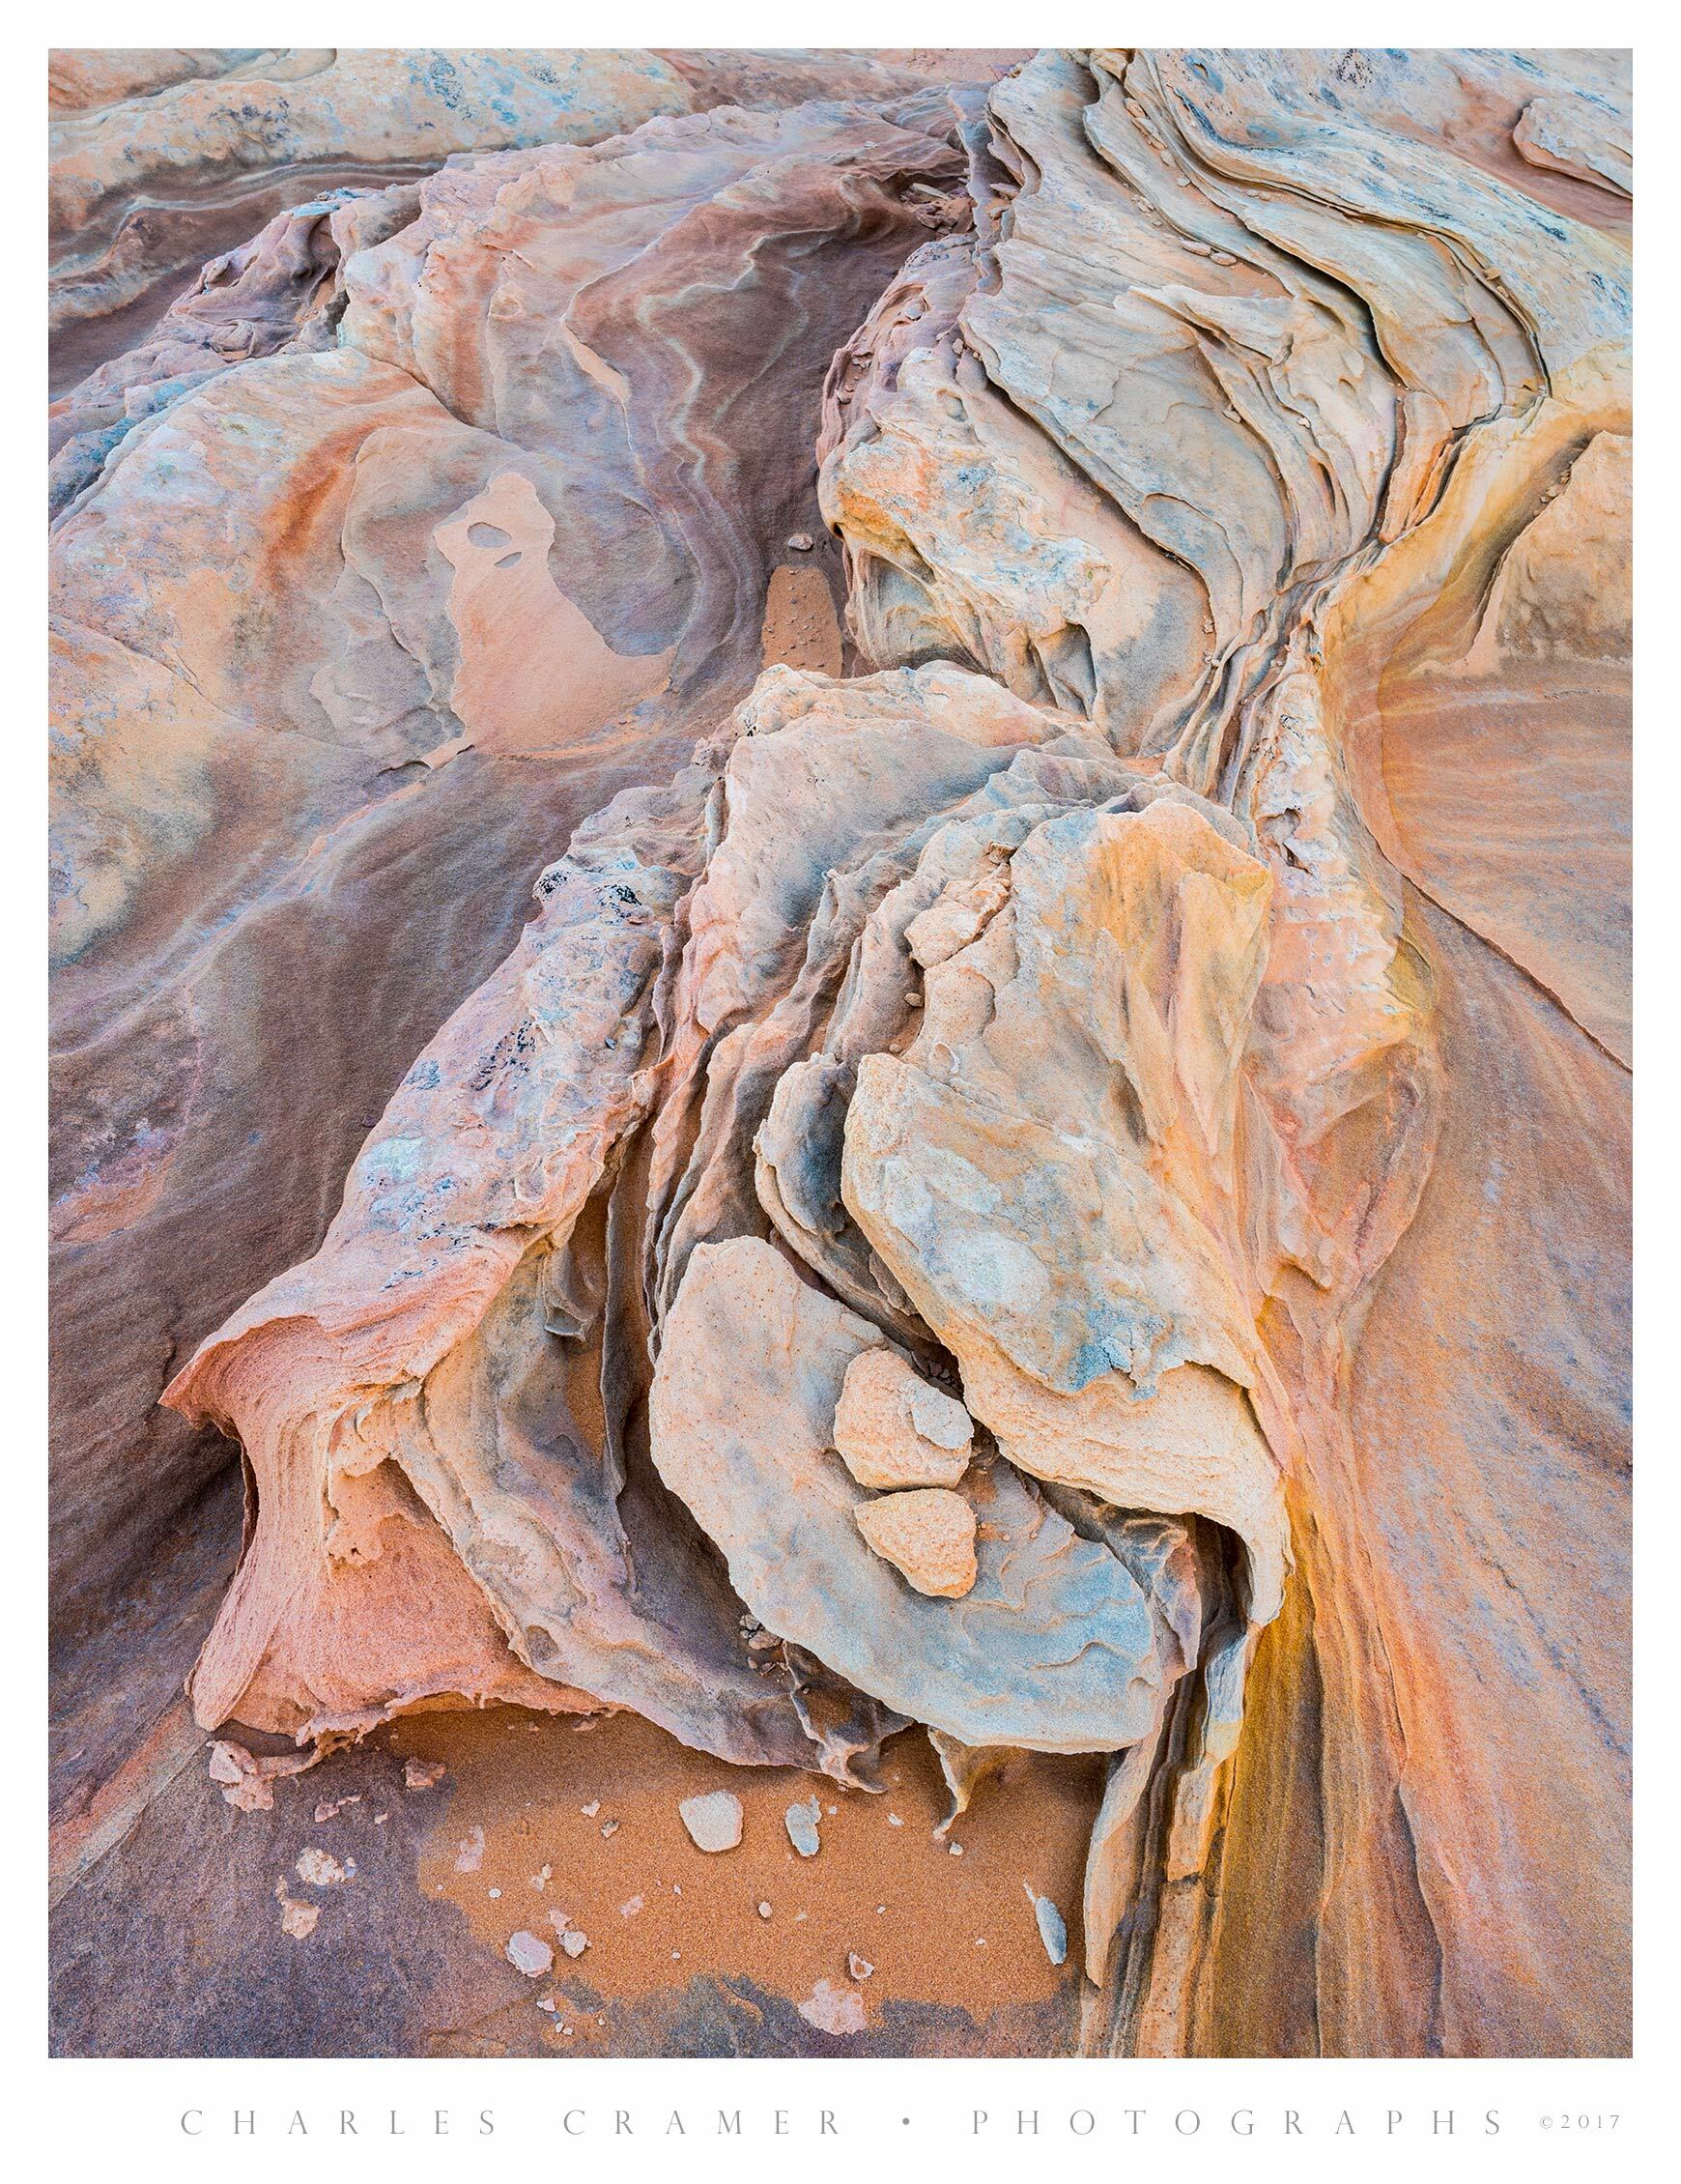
{"x":162,"y":157}
{"x":1120,"y":1019}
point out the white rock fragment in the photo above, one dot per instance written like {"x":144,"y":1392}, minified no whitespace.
{"x":574,"y":1943}
{"x":1053,"y":1930}
{"x":859,"y":1967}
{"x":831,"y":2009}
{"x":591,"y":1810}
{"x":764,"y":1910}
{"x":801,"y":541}
{"x":321,"y":1869}
{"x":714,"y":1820}
{"x":469,"y":1851}
{"x":422,"y":1774}
{"x":893,"y":1429}
{"x":801,"y":1822}
{"x":530,"y":1954}
{"x":630,"y":1906}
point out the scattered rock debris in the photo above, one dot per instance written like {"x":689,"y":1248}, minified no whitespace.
{"x":248,"y":1782}
{"x":321,"y":1869}
{"x":831,"y":2009}
{"x":295,"y":1918}
{"x":801,"y":1821}
{"x":1053,"y":1930}
{"x":713,"y":1822}
{"x":530,"y":1954}
{"x":324,"y":1812}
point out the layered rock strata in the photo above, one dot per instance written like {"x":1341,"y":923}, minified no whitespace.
{"x":1142,"y":1003}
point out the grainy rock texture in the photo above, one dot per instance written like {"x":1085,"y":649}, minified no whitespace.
{"x":161,"y":157}
{"x":1052,"y":1161}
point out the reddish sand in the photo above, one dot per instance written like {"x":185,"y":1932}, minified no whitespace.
{"x":938,"y":1925}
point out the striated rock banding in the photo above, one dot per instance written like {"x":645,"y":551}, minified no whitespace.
{"x":1140,"y":999}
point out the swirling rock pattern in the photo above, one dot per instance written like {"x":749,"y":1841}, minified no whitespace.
{"x":163,"y":155}
{"x":1159,"y":978}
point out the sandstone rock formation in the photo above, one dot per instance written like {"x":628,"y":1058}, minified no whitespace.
{"x":161,"y":157}
{"x":1127,"y":1052}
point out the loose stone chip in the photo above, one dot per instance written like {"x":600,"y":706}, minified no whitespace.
{"x":801,"y":1822}
{"x":1053,"y":1930}
{"x":713,"y":1822}
{"x":894,"y":1430}
{"x":927,"y":1535}
{"x":530,"y":1954}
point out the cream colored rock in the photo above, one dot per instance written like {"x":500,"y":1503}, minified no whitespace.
{"x":893,"y":1429}
{"x":927,"y":1535}
{"x":713,"y":1821}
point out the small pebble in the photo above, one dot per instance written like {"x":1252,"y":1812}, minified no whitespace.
{"x":610,"y":1827}
{"x":764,"y":1910}
{"x":801,"y":1822}
{"x":591,"y":1810}
{"x":422,"y":1774}
{"x":530,"y":1954}
{"x":574,"y":1943}
{"x":1052,"y":1930}
{"x":493,"y":1894}
{"x":714,"y":1821}
{"x":859,"y":1967}
{"x":801,"y":542}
